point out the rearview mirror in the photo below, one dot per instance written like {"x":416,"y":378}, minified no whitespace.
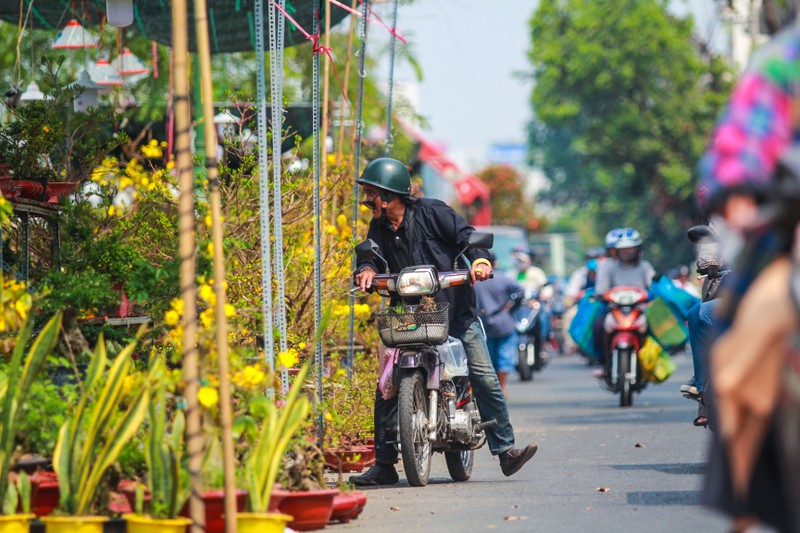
{"x":480,"y":239}
{"x":367,"y":250}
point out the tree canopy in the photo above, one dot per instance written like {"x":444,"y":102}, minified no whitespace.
{"x":624,"y":102}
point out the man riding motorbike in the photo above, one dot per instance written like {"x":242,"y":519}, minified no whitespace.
{"x":628,"y":269}
{"x":416,"y":231}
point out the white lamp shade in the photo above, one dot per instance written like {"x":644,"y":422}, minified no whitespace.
{"x":74,"y":36}
{"x":119,"y":12}
{"x":32,"y":93}
{"x":225,"y":117}
{"x":127,"y":64}
{"x":102,"y":73}
{"x":88,"y":96}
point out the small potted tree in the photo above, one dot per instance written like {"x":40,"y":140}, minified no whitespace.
{"x":279,"y":428}
{"x":90,"y":442}
{"x":14,"y":388}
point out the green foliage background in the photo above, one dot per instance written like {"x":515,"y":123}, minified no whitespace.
{"x":624,"y":102}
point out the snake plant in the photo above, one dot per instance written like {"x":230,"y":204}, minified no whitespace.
{"x":91,"y":441}
{"x":15,"y":386}
{"x":162,"y":452}
{"x":279,"y":427}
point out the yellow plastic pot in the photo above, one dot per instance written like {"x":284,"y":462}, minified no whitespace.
{"x":16,"y":523}
{"x":74,"y":524}
{"x":144,"y":524}
{"x":262,"y":522}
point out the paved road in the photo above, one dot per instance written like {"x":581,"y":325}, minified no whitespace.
{"x":649,"y":457}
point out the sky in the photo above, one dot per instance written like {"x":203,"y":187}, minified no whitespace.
{"x":472,"y":53}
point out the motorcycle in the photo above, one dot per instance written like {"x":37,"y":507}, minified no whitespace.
{"x":625,"y":326}
{"x":530,"y":356}
{"x":436,"y":409}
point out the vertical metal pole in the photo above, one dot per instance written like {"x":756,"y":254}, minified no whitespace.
{"x":215,"y":205}
{"x":392,"y":47}
{"x":356,"y":170}
{"x":25,"y":219}
{"x":277,"y":24}
{"x":318,"y":360}
{"x":186,"y":236}
{"x":263,"y":179}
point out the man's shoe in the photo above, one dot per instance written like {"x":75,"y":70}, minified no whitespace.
{"x":378,"y":474}
{"x":514,"y":459}
{"x":691,"y":390}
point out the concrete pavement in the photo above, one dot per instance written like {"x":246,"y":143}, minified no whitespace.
{"x":599,"y":468}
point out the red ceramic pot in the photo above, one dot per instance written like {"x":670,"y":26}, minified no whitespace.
{"x":275,"y":498}
{"x":362,"y":502}
{"x":344,"y":507}
{"x":57,"y":189}
{"x":311,"y":509}
{"x":27,"y":188}
{"x":44,"y":493}
{"x":214,"y":501}
{"x":352,"y":459}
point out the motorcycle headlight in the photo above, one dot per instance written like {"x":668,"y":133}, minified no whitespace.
{"x":417,"y":282}
{"x":641,"y":324}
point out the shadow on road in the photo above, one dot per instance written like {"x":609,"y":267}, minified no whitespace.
{"x":676,"y":468}
{"x":660,"y":498}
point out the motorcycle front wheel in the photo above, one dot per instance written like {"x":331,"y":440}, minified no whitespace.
{"x":459,"y":464}
{"x":524,"y":353}
{"x":623,"y":383}
{"x":413,"y":415}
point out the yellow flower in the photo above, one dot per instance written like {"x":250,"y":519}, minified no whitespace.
{"x":341,"y":220}
{"x":288,"y":358}
{"x":111,"y":211}
{"x":302,"y":346}
{"x":230,"y":310}
{"x":328,"y":417}
{"x":208,"y":220}
{"x":127,"y":384}
{"x":210,"y":249}
{"x":171,"y":317}
{"x":207,"y":318}
{"x":207,"y":294}
{"x":177,"y":305}
{"x":208,"y":397}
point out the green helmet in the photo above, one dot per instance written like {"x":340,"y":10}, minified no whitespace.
{"x":387,"y":174}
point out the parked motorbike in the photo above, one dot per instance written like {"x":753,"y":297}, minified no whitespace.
{"x":436,"y":409}
{"x":530,"y":356}
{"x":625,"y":326}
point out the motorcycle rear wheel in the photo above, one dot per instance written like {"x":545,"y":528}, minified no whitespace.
{"x":413,"y":415}
{"x":459,"y":464}
{"x":623,"y":384}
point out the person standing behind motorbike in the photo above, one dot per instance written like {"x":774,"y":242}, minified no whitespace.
{"x":424,"y":231}
{"x":628,"y":269}
{"x":495,"y":297}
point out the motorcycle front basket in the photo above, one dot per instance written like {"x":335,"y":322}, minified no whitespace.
{"x":412,"y":327}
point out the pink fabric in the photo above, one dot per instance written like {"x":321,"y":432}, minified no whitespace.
{"x":385,"y":369}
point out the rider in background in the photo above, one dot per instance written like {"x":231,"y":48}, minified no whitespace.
{"x":628,"y":269}
{"x":528,"y":274}
{"x":495,"y":296}
{"x":584,"y":277}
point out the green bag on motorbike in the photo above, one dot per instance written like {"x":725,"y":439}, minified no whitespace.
{"x":665,"y":327}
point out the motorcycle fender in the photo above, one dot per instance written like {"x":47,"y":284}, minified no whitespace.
{"x":410,"y":360}
{"x":623,"y":340}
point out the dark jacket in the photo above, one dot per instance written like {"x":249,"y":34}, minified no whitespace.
{"x":433,"y":234}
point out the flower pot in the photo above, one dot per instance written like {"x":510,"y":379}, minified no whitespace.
{"x":362,"y":502}
{"x":344,"y":507}
{"x":16,"y":523}
{"x":352,"y":459}
{"x":214,"y":501}
{"x":74,"y":524}
{"x":57,"y":189}
{"x":27,"y":188}
{"x":261,"y":522}
{"x":44,"y":493}
{"x":144,"y":524}
{"x":311,"y":509}
{"x":275,"y":498}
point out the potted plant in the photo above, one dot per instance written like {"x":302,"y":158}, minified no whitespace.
{"x":14,"y":389}
{"x":90,"y":442}
{"x":165,"y":479}
{"x":17,"y":498}
{"x":278,"y":429}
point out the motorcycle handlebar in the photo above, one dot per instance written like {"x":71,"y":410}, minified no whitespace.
{"x":388,"y":282}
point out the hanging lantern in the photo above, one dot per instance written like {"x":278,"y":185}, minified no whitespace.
{"x":102,"y":73}
{"x":74,"y":36}
{"x":32,"y":94}
{"x":119,"y":12}
{"x":87,"y":97}
{"x":127,"y":64}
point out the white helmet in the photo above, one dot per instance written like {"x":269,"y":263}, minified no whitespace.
{"x":629,"y":238}
{"x":612,"y":237}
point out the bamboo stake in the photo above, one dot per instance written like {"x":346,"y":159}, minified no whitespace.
{"x":186,"y":236}
{"x":215,"y":204}
{"x":350,"y":33}
{"x":325,"y":106}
